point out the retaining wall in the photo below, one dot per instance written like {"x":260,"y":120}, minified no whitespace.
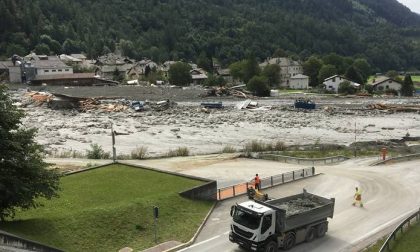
{"x":304,"y":161}
{"x":398,"y":159}
{"x":21,"y":243}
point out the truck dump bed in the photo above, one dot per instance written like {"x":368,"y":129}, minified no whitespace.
{"x":299,"y":210}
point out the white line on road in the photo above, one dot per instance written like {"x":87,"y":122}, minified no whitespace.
{"x":205,"y":241}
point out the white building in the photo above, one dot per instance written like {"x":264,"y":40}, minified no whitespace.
{"x":288,"y":69}
{"x":299,"y":81}
{"x":332,"y":83}
{"x":387,"y":84}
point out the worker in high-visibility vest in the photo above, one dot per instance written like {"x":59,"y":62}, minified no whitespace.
{"x":358,"y":198}
{"x":257,"y":182}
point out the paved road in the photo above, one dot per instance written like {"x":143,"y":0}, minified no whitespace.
{"x":390,"y":193}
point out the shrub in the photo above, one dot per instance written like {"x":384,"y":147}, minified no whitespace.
{"x":258,"y":85}
{"x":179,"y":152}
{"x":259,"y":146}
{"x":346,"y":88}
{"x":96,"y":152}
{"x":139,"y":153}
{"x":228,"y":149}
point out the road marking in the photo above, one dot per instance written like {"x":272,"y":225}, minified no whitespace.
{"x":205,"y":241}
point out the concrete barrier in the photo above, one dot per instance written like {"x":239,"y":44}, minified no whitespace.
{"x":13,"y":241}
{"x":398,"y":159}
{"x":304,"y":161}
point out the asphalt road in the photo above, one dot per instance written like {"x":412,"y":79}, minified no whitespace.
{"x":390,"y":193}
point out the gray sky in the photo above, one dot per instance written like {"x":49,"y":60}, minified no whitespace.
{"x":414,"y":5}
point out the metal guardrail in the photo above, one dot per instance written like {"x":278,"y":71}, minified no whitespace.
{"x":241,"y":189}
{"x":404,"y":225}
{"x":296,"y":160}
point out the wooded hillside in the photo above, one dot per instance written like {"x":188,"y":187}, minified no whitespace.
{"x":385,"y":32}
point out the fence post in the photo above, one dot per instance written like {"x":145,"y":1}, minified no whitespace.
{"x":303,"y":172}
{"x":271,"y":181}
{"x":233,"y":187}
{"x":313,"y":170}
{"x":293,"y":175}
{"x":220,"y":197}
{"x":282,"y":178}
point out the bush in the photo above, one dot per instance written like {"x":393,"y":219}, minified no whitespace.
{"x":259,"y":146}
{"x":96,"y":152}
{"x":346,"y":88}
{"x":258,"y":85}
{"x":139,"y":153}
{"x":228,"y":149}
{"x":179,"y":152}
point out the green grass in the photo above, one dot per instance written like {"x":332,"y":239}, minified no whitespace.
{"x":409,"y":242}
{"x":376,"y":247}
{"x":110,"y":208}
{"x":415,"y":78}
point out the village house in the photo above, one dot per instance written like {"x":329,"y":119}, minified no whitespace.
{"x":332,"y":83}
{"x":384,"y":84}
{"x":299,"y":81}
{"x":107,"y":65}
{"x":141,"y":68}
{"x":198,"y":76}
{"x":225,"y":73}
{"x":288,"y":69}
{"x":38,"y":65}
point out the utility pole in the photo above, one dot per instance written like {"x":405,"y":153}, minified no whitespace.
{"x":114,"y":152}
{"x":355,"y":139}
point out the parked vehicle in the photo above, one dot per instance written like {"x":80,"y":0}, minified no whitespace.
{"x":212,"y":105}
{"x":305,"y":104}
{"x":280,"y":223}
{"x":137,"y":105}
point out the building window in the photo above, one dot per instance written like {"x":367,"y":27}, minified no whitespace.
{"x":67,"y":70}
{"x":387,"y":87}
{"x":333,"y":80}
{"x":54,"y":70}
{"x":60,"y":70}
{"x":46,"y":71}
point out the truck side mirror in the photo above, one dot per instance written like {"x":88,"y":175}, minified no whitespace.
{"x":232,"y":210}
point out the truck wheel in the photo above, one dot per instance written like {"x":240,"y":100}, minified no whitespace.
{"x":289,"y":241}
{"x":271,"y":247}
{"x":321,"y":230}
{"x":310,"y":236}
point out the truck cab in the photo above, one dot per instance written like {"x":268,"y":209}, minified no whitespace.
{"x":254,"y":222}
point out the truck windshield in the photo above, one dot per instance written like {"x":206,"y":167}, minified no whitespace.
{"x":246,"y":219}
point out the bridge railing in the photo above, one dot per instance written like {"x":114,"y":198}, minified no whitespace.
{"x":268,"y":182}
{"x":400,"y":229}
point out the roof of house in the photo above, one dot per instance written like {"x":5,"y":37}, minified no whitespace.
{"x":224,"y":72}
{"x":338,"y":76}
{"x":69,"y":58}
{"x":299,"y":76}
{"x":78,"y":56}
{"x":111,"y":68}
{"x":6,"y":64}
{"x":65,"y":76}
{"x":385,"y":80}
{"x":44,"y":61}
{"x":283,"y":62}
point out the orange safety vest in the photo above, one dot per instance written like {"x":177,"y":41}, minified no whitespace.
{"x":257,"y":180}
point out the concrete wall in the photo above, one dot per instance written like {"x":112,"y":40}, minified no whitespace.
{"x":204,"y":192}
{"x":10,"y":240}
{"x":299,"y":83}
{"x":15,"y":75}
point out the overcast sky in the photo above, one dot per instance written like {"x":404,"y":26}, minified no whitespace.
{"x":414,"y":5}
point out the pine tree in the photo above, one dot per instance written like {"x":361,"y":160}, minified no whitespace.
{"x":407,"y":88}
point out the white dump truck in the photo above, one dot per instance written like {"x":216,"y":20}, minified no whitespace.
{"x":280,"y":223}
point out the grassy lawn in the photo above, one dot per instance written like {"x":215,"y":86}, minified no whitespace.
{"x":415,"y":78}
{"x":110,"y":208}
{"x":409,"y":242}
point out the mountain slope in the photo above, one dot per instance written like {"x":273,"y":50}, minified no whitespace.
{"x":386,"y":33}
